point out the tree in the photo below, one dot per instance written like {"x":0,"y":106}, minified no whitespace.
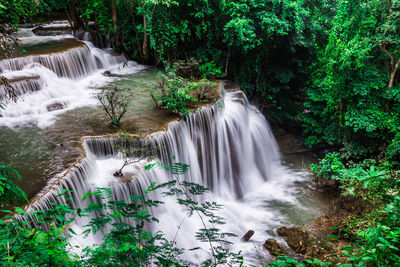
{"x":115,"y":103}
{"x":347,"y":99}
{"x":133,"y":151}
{"x":387,"y":37}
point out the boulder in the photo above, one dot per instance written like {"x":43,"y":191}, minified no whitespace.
{"x":273,"y":247}
{"x":297,"y":239}
{"x":55,"y":106}
{"x":52,"y":31}
{"x":248,"y":235}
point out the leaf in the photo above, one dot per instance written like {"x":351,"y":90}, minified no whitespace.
{"x":88,"y":194}
{"x":179,"y":168}
{"x":136,"y":197}
{"x":60,"y":218}
{"x":150,"y":188}
{"x":332,"y":236}
{"x":149,"y":166}
{"x":72,"y":231}
{"x":7,"y":211}
{"x":19,"y":210}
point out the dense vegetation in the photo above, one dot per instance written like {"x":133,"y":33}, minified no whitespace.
{"x":327,"y":68}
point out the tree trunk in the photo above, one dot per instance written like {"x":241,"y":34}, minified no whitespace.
{"x":114,"y":15}
{"x":114,"y":22}
{"x":137,"y":39}
{"x":391,"y":82}
{"x":76,"y":21}
{"x":227,"y":62}
{"x":145,"y":49}
{"x":394,"y":68}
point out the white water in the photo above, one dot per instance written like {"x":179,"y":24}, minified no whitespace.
{"x":67,"y":78}
{"x":230,"y":150}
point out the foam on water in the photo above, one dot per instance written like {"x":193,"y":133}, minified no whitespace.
{"x":229,"y":147}
{"x":68,"y":79}
{"x":230,"y":150}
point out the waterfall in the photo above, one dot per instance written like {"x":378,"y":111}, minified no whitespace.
{"x":229,"y":147}
{"x":22,"y":86}
{"x":57,"y":79}
{"x":230,"y":150}
{"x":73,"y":63}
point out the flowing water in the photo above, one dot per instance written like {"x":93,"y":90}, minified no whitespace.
{"x":40,"y":134}
{"x":228,"y":146}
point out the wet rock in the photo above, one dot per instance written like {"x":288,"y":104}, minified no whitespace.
{"x":273,"y":247}
{"x":79,"y":34}
{"x":55,"y":106}
{"x":297,"y":239}
{"x":96,"y":38}
{"x":248,"y":235}
{"x":107,"y":73}
{"x":52,"y":31}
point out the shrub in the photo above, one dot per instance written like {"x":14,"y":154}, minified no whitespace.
{"x":115,"y":103}
{"x":9,"y":192}
{"x":24,"y":242}
{"x":133,"y":151}
{"x":210,"y":70}
{"x":186,"y":68}
{"x":173,"y":93}
{"x":202,"y":89}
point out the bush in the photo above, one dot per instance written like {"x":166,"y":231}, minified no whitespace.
{"x":9,"y":192}
{"x":210,"y":70}
{"x":173,"y":93}
{"x":24,"y":243}
{"x":115,"y":103}
{"x":186,"y":68}
{"x":367,"y":179}
{"x":379,"y":245}
{"x":202,"y":89}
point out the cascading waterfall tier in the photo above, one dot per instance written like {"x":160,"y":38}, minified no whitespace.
{"x":74,"y":63}
{"x":224,"y":147}
{"x":21,"y":86}
{"x":228,"y":146}
{"x":63,"y":73}
{"x":230,"y":149}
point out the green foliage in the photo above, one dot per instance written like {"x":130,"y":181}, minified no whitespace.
{"x":174,"y":93}
{"x":44,"y":244}
{"x":100,"y":11}
{"x":265,"y":46}
{"x":57,"y":4}
{"x":39,"y":238}
{"x":210,"y":70}
{"x":19,"y":11}
{"x":186,"y":68}
{"x":186,"y":195}
{"x":203,"y":89}
{"x":270,"y":45}
{"x":378,"y":245}
{"x":352,"y":99}
{"x":368,"y":179}
{"x":286,"y":261}
{"x":9,"y":192}
{"x":128,"y":244}
{"x":376,"y":185}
